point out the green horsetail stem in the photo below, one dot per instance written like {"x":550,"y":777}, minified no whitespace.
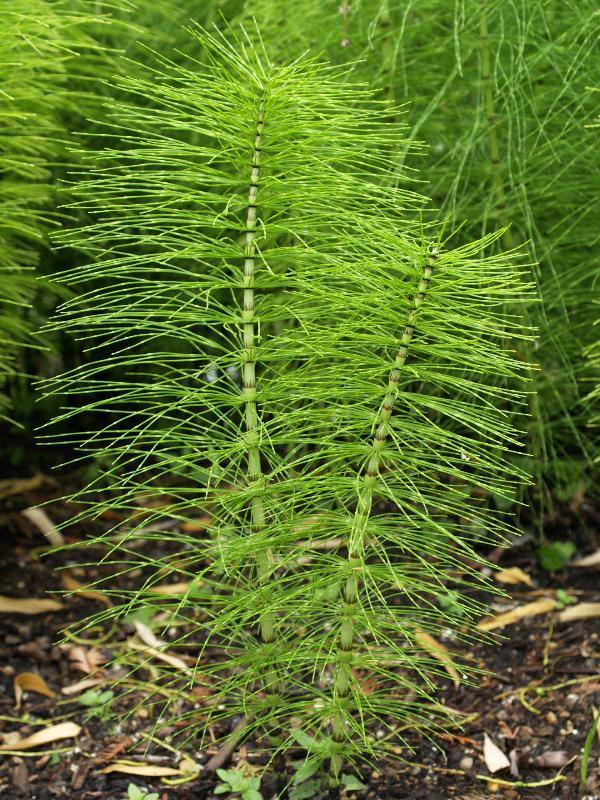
{"x":491,"y":118}
{"x":255,"y":475}
{"x":350,"y":589}
{"x":525,"y":349}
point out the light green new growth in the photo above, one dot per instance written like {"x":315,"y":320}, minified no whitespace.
{"x":253,"y":285}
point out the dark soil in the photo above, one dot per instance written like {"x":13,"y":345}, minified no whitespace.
{"x":536,"y":703}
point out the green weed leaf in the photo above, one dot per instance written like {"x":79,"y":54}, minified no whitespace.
{"x":553,"y":557}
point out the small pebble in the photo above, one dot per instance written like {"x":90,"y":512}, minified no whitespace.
{"x":551,"y":718}
{"x":466,"y":763}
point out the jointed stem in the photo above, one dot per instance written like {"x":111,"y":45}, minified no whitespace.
{"x":508,"y":239}
{"x":350,"y":589}
{"x":255,"y":474}
{"x":492,"y":122}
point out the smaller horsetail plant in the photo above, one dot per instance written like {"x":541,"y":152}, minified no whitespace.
{"x":32,"y":77}
{"x":277,"y":348}
{"x":47,"y":56}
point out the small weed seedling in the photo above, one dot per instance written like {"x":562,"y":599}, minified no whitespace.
{"x":97,"y":702}
{"x":235,"y":781}
{"x":135,"y":793}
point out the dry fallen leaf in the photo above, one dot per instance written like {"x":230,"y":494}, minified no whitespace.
{"x":81,"y":686}
{"x":146,"y":635}
{"x":154,"y":646}
{"x":593,"y":560}
{"x":439,"y":651}
{"x":44,"y":524}
{"x":494,"y":758}
{"x":28,"y":605}
{"x":139,"y":768}
{"x":513,"y":575}
{"x":552,"y":759}
{"x":65,"y":730}
{"x":73,"y":585}
{"x":187,"y":766}
{"x":85,"y":659}
{"x":30,"y":682}
{"x":112,"y":750}
{"x":161,"y":655}
{"x":13,"y":486}
{"x":543,"y":606}
{"x":10,"y":738}
{"x":579,"y":611}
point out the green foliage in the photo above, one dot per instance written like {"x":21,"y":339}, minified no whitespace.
{"x":308,"y":781}
{"x":47,"y":53}
{"x":31,"y":79}
{"x":274,"y":338}
{"x":554,"y":555}
{"x":587,"y":750}
{"x":236,"y":781}
{"x":563,"y":599}
{"x":98,"y":703}
{"x":135,"y":793}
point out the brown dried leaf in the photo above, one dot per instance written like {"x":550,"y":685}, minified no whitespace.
{"x":187,"y":766}
{"x":88,"y":660}
{"x":65,"y":730}
{"x":112,"y":750}
{"x":13,"y":486}
{"x":145,"y":634}
{"x":10,"y":738}
{"x":155,"y":646}
{"x":513,"y":757}
{"x":513,"y":575}
{"x":81,"y":686}
{"x":593,"y":560}
{"x":579,"y":611}
{"x":20,"y":779}
{"x":552,"y":759}
{"x":543,"y":606}
{"x":44,"y":524}
{"x":494,"y":758}
{"x":30,"y":682}
{"x":73,"y":585}
{"x":440,"y":652}
{"x":27,"y":605}
{"x":161,"y":655}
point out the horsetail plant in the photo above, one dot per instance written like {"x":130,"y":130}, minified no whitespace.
{"x":47,"y":52}
{"x":30,"y":123}
{"x":253,"y":283}
{"x":500,"y":94}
